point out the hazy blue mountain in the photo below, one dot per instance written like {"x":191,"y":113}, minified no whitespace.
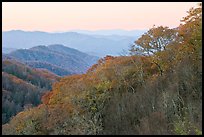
{"x":56,"y":58}
{"x":5,"y":56}
{"x":7,"y":50}
{"x":51,"y":67}
{"x":119,"y":32}
{"x":100,"y":45}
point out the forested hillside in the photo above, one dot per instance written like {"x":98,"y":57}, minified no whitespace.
{"x":22,"y":87}
{"x":156,"y":90}
{"x":56,"y":58}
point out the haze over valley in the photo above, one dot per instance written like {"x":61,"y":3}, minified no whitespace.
{"x":98,"y":43}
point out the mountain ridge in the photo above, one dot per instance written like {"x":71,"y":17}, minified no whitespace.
{"x":55,"y":58}
{"x":99,"y":44}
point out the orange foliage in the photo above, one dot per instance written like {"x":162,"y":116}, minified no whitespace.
{"x":46,"y":97}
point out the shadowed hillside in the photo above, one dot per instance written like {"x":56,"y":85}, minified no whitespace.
{"x":22,"y":87}
{"x":58,"y":59}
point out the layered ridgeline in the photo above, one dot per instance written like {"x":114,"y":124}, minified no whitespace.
{"x":98,"y":45}
{"x":56,"y":58}
{"x":22,"y":87}
{"x":155,"y":93}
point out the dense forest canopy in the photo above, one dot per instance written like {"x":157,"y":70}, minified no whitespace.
{"x":155,"y":90}
{"x":22,"y":87}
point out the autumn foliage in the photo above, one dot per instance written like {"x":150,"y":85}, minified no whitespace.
{"x":156,"y":90}
{"x":22,"y":87}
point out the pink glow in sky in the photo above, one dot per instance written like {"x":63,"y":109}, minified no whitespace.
{"x":64,"y":16}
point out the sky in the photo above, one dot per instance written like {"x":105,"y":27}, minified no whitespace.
{"x":65,"y":16}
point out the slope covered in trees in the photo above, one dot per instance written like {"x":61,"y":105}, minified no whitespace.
{"x":22,"y":87}
{"x":56,"y":58}
{"x":158,"y":91}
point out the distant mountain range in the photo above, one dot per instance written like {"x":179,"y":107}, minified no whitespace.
{"x":98,"y":43}
{"x":119,"y":32}
{"x":56,"y":58}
